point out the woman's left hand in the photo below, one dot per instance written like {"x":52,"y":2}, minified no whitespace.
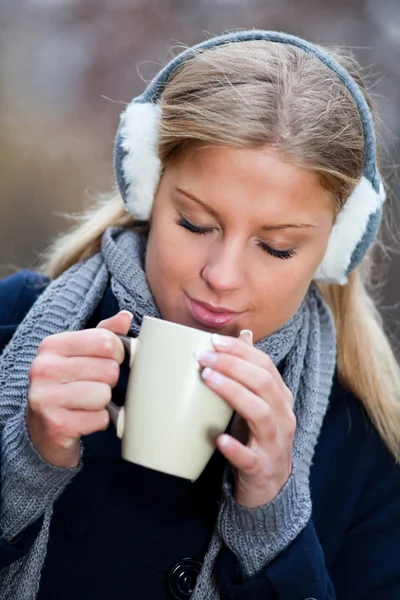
{"x":247,"y":379}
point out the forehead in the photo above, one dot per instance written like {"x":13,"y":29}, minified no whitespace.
{"x":256,"y":181}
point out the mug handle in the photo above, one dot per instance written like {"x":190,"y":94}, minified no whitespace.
{"x":117,"y":413}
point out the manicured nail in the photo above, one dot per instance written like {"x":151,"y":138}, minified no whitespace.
{"x":206,"y":358}
{"x":221,"y":341}
{"x":215,"y":379}
{"x":246,"y":335}
{"x":126,"y":312}
{"x":224,"y":441}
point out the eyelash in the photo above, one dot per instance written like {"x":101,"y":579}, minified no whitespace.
{"x":282,"y":254}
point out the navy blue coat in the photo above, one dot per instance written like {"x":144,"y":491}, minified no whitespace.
{"x":350,"y":549}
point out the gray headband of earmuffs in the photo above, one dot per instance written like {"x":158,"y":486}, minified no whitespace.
{"x":138,"y":167}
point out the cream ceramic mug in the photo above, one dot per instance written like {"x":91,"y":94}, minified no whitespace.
{"x":171,"y":419}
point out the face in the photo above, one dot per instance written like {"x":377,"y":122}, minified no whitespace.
{"x":236,"y":236}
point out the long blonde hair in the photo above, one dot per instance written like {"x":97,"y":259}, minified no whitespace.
{"x":256,"y":94}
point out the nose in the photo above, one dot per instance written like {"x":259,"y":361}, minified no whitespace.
{"x":224,"y":268}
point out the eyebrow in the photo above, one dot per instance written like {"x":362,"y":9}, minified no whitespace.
{"x":203,"y":204}
{"x":263,"y":228}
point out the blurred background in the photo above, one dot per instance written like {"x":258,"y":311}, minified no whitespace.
{"x":68,"y":66}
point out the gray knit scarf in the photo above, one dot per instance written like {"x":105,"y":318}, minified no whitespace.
{"x":304,"y":347}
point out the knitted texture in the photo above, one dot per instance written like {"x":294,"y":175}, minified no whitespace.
{"x":306,"y":345}
{"x":30,"y":485}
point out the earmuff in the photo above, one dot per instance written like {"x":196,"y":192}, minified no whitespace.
{"x":138,"y":167}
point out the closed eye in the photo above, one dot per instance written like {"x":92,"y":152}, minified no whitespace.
{"x":182,"y":222}
{"x":196,"y":229}
{"x":283,"y":254}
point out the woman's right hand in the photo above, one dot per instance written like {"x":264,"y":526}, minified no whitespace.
{"x":71,"y":381}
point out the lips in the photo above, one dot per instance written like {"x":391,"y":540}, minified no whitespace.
{"x":211,"y":316}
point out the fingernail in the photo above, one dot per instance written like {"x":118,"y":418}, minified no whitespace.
{"x":216,"y":379}
{"x":225,"y":440}
{"x":246,"y":335}
{"x":126,"y":312}
{"x":221,"y":341}
{"x":206,"y":358}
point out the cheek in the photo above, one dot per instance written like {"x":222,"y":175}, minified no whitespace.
{"x":287,"y":287}
{"x":293,"y":283}
{"x":169,"y":262}
{"x":309,"y":259}
{"x":282,"y":288}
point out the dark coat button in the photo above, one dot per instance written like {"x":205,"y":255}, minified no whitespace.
{"x":182,"y":577}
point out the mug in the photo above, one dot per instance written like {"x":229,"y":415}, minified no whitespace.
{"x":171,"y":419}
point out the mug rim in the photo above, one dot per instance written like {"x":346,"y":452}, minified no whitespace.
{"x":173,"y":324}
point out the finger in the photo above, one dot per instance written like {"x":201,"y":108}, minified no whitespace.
{"x":99,"y":342}
{"x":238,"y":347}
{"x":74,"y":424}
{"x":77,"y":395}
{"x":258,"y":413}
{"x":240,"y":456}
{"x":255,"y":378}
{"x":85,"y":395}
{"x":119,"y":323}
{"x":96,"y":421}
{"x":64,"y":369}
{"x":246,"y":335}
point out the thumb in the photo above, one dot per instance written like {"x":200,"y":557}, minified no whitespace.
{"x":119,"y":323}
{"x":246,"y":335}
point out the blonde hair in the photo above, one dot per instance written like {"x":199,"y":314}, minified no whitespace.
{"x":256,"y":94}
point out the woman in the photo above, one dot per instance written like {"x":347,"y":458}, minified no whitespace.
{"x":249,"y":200}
